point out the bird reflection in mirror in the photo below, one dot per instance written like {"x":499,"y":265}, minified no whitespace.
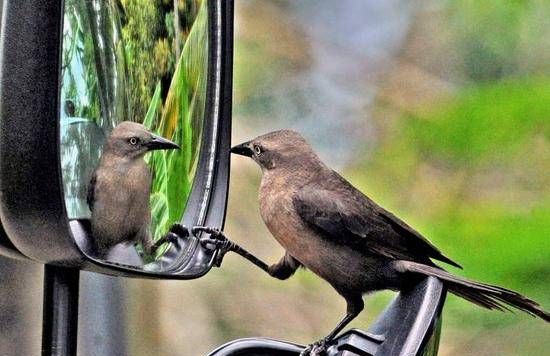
{"x":119,"y":191}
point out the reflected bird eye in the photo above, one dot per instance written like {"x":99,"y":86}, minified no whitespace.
{"x":257,"y":149}
{"x":133,"y":141}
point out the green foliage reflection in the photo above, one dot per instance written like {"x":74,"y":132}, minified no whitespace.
{"x":180,"y":118}
{"x":138,"y":60}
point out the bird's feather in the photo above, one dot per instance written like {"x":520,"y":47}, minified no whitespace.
{"x":344,"y":215}
{"x":485,"y":295}
{"x":90,"y":197}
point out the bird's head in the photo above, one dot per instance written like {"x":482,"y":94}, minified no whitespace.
{"x":284,"y":149}
{"x":133,"y":140}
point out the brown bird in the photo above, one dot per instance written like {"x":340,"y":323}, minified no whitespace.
{"x":119,"y":190}
{"x":328,"y":226}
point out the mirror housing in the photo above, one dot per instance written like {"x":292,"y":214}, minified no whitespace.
{"x":32,"y":206}
{"x":6,"y":247}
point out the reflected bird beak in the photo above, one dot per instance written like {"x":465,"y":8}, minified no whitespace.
{"x":243,"y":149}
{"x":160,"y":143}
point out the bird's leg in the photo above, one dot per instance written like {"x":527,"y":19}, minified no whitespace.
{"x":355,"y":306}
{"x":223,"y":244}
{"x":175,"y":232}
{"x":179,"y":230}
{"x":217,"y":239}
{"x":284,"y":268}
{"x":280,"y":270}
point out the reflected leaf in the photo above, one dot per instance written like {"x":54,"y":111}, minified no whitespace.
{"x":181,"y":121}
{"x":154,"y":108}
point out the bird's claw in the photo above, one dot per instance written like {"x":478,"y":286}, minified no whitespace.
{"x":214,"y":232}
{"x":217,"y":239}
{"x":221,"y":244}
{"x":180,"y":231}
{"x":172,"y":237}
{"x":176,"y":232}
{"x":318,"y":348}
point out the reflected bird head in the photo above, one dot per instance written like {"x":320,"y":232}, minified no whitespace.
{"x":133,"y":140}
{"x":285,"y":149}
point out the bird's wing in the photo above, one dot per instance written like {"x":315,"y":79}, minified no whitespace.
{"x":405,"y":230}
{"x":90,"y":197}
{"x":344,"y":215}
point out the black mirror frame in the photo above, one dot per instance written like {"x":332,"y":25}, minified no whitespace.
{"x":32,"y":207}
{"x":6,"y":247}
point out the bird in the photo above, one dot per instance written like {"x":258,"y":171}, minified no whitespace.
{"x":328,"y":226}
{"x":120,"y":188}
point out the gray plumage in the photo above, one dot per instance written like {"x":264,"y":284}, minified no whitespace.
{"x":328,"y":226}
{"x":119,"y":190}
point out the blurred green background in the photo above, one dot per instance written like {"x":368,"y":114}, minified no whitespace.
{"x":438,"y":110}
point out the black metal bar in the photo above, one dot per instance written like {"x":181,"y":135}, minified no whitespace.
{"x":103,"y":327}
{"x":59,"y":326}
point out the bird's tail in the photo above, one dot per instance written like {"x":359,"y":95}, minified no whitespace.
{"x":484,"y":295}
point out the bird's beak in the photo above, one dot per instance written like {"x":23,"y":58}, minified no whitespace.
{"x":160,"y":143}
{"x":243,"y":149}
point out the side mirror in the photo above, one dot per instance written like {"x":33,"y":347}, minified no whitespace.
{"x":69,"y":74}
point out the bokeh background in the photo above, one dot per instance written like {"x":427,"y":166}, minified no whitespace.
{"x":438,"y":110}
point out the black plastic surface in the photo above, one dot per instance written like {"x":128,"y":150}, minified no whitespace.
{"x":257,"y":346}
{"x":31,"y":201}
{"x":6,"y":247}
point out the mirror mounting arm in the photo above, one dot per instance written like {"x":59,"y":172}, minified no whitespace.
{"x":60,"y":315}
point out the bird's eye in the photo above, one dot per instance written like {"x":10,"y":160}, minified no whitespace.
{"x":133,"y":141}
{"x":257,"y":149}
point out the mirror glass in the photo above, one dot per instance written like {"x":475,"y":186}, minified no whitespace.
{"x":133,"y":60}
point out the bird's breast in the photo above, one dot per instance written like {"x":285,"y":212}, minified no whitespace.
{"x":276,"y":209}
{"x":121,"y":201}
{"x":279,"y":215}
{"x":346,"y":269}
